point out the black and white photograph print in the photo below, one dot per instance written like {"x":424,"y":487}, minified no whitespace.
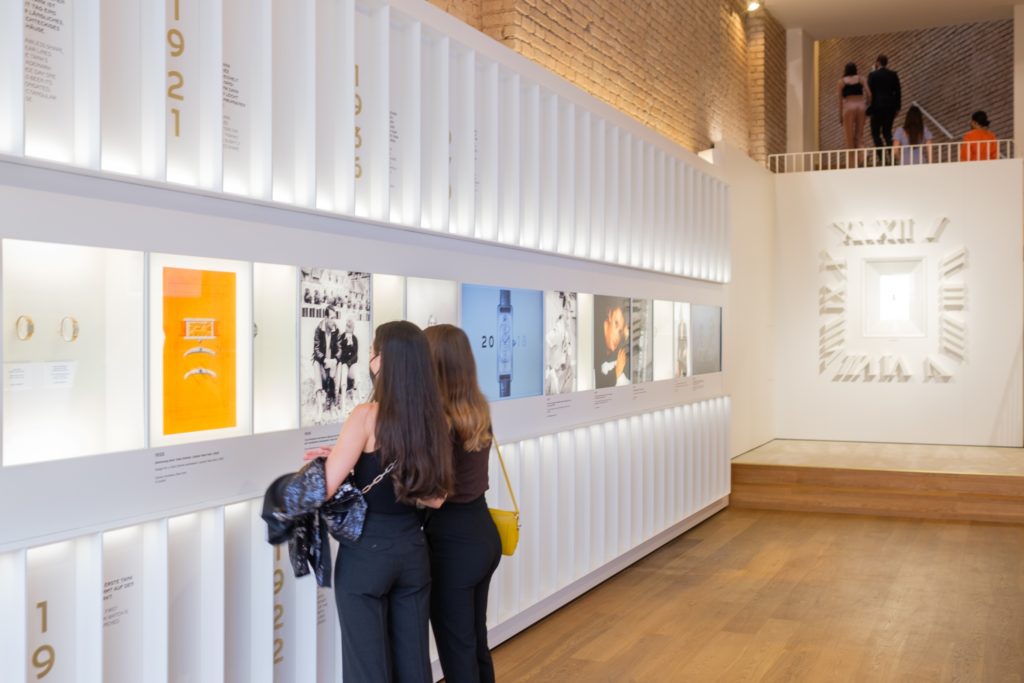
{"x":681,"y":343}
{"x":334,"y":344}
{"x":706,"y":343}
{"x":641,"y":339}
{"x":560,"y":342}
{"x":611,"y":341}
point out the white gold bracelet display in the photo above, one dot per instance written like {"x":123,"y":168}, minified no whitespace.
{"x":24,"y":328}
{"x":200,"y":330}
{"x":69,"y":328}
{"x":200,"y":371}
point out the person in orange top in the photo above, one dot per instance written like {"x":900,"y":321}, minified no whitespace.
{"x":979,"y":142}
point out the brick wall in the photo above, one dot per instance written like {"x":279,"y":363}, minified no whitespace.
{"x":766,"y":78}
{"x":951,"y":71}
{"x":677,"y":66}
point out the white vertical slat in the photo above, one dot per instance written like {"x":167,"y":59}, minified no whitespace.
{"x":412,"y":147}
{"x":328,"y":632}
{"x":534,"y":524}
{"x":565,"y":514}
{"x":672,"y":203}
{"x":629,"y":482}
{"x":638,"y":467}
{"x":650,"y":215}
{"x":487,"y":160}
{"x":689,"y":225}
{"x":583,"y":467}
{"x":613,"y":488}
{"x":512,"y":569}
{"x":661,"y":201}
{"x":624,"y":226}
{"x":294,"y":96}
{"x":155,"y":614}
{"x":404,"y":120}
{"x":212,"y":590}
{"x":727,"y":235}
{"x":261,"y":598}
{"x":376,"y":93}
{"x":87,"y":82}
{"x":698,"y":223}
{"x":638,"y":204}
{"x":12,"y":79}
{"x":530,"y":167}
{"x":612,"y":193}
{"x":89,"y":608}
{"x":14,"y":606}
{"x":121,"y":84}
{"x":463,"y":130}
{"x":648,"y":439}
{"x":584,"y":182}
{"x":238,"y":539}
{"x":707,"y":226}
{"x":246,"y":129}
{"x":660,"y":437}
{"x":599,"y":514}
{"x":436,"y":131}
{"x":567,"y":170}
{"x":549,"y":171}
{"x":598,"y":197}
{"x":691,"y":460}
{"x":509,"y":152}
{"x":335,"y":108}
{"x":549,"y":493}
{"x":704,"y":478}
{"x":152,"y":109}
{"x":304,"y":617}
{"x":211,"y":84}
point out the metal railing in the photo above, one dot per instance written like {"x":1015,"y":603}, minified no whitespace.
{"x":899,"y":155}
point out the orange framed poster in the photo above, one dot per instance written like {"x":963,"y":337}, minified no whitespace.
{"x":199,"y":355}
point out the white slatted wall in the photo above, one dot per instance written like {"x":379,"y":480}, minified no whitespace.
{"x":203,"y":597}
{"x":450,"y":131}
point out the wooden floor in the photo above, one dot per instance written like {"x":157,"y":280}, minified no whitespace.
{"x":756,"y":595}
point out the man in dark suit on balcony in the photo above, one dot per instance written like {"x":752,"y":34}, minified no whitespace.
{"x":886,"y":101}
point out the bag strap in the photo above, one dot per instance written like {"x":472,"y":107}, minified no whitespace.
{"x":508,"y":482}
{"x":378,"y":479}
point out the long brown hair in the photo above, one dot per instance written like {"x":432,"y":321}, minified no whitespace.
{"x":464,"y":404}
{"x":913,"y":125}
{"x":411,"y":429}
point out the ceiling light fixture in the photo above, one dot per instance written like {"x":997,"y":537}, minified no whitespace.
{"x":753,"y":6}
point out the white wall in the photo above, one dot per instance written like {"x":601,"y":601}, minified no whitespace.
{"x":980,"y":400}
{"x":748,"y":342}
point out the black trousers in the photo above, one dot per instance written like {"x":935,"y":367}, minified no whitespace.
{"x":464,"y":552}
{"x":382,"y":588}
{"x":881,"y":126}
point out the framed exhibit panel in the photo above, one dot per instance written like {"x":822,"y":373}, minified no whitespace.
{"x":706,"y":342}
{"x":431,"y":302}
{"x":505,"y":329}
{"x":561,"y":345}
{"x":388,"y":299}
{"x":200,"y":339}
{"x":641,"y":340}
{"x":334,"y":343}
{"x":275,"y":380}
{"x":681,"y":340}
{"x":611,"y":362}
{"x":73,"y":351}
{"x":663,"y":339}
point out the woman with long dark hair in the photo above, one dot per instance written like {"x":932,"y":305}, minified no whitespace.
{"x":914,"y":137}
{"x":400,"y":441}
{"x":854,"y":98}
{"x":464,"y":545}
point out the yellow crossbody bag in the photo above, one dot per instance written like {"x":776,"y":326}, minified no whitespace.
{"x":507,"y":521}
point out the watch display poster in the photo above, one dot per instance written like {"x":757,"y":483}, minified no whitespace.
{"x":431,"y":302}
{"x":334,"y":344}
{"x":560,"y":342}
{"x":122,"y":605}
{"x":681,"y":340}
{"x":641,"y":340}
{"x":388,"y":299}
{"x":49,"y":79}
{"x":275,"y":382}
{"x":505,"y":329}
{"x":611,"y":341}
{"x":706,"y":344}
{"x":663,"y":339}
{"x":73,"y":351}
{"x":199,"y":361}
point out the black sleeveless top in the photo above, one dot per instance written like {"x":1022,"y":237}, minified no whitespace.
{"x":381,"y":498}
{"x":853,"y":89}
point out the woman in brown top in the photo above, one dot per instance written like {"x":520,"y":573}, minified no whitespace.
{"x":464,"y":545}
{"x":854,"y":99}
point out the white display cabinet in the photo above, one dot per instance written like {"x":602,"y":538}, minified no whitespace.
{"x":200,"y":349}
{"x":73,"y":351}
{"x":275,"y":347}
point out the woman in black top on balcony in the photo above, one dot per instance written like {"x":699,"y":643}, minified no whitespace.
{"x":854,"y":98}
{"x":464,"y":545}
{"x":382,"y":581}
